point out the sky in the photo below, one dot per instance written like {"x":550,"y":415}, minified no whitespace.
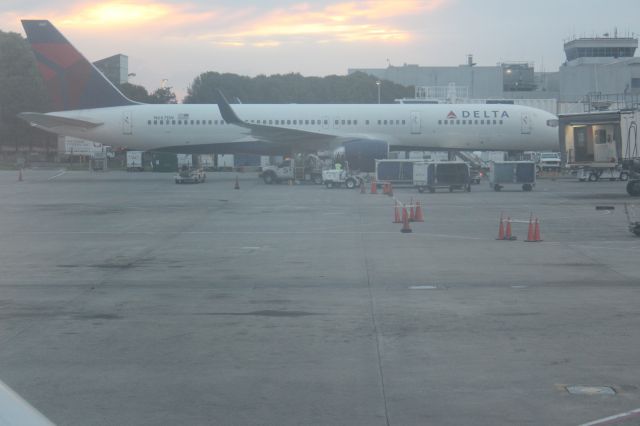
{"x":178,"y":40}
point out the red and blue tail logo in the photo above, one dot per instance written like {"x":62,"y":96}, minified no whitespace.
{"x":72,"y":81}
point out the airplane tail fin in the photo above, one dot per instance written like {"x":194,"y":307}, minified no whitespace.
{"x":72,"y":81}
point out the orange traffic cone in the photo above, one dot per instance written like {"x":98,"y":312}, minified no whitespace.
{"x":397,"y":214}
{"x":501,"y":228}
{"x":508,"y":236}
{"x":374,"y":186}
{"x":536,"y":232}
{"x":237,"y":185}
{"x":412,"y":212}
{"x":20,"y":175}
{"x":419,"y":213}
{"x":406,"y":228}
{"x":530,"y":233}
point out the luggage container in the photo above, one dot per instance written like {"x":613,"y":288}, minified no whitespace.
{"x":396,"y":172}
{"x":448,"y":175}
{"x":503,"y":173}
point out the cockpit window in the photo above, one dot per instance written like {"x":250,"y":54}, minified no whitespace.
{"x":552,"y":123}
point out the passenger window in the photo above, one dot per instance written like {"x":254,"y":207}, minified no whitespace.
{"x":500,"y":122}
{"x":457,"y":121}
{"x":161,"y":122}
{"x":366,"y":122}
{"x":476,"y":121}
{"x":403,"y":122}
{"x":149,"y":122}
{"x":494,"y":122}
{"x":337,"y":122}
{"x":173,"y":122}
{"x":355,"y":122}
{"x":439,"y":121}
{"x":155,"y":122}
{"x":385,"y":122}
{"x":379,"y":122}
{"x":210,"y":122}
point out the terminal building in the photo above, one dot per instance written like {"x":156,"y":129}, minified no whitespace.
{"x":598,"y":72}
{"x":115,"y":68}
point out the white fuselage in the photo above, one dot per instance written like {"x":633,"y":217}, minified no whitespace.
{"x":435,"y":127}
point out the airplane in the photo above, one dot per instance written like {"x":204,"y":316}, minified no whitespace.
{"x":15,"y":411}
{"x":88,"y":106}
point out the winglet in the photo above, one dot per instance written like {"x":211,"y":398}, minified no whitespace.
{"x":228,"y":114}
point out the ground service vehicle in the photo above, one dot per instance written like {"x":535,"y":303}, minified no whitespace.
{"x":134,"y":161}
{"x":335,"y":178}
{"x":595,"y":174}
{"x":549,"y":161}
{"x":189,"y":175}
{"x":448,"y":175}
{"x":301,"y":168}
{"x":633,"y":167}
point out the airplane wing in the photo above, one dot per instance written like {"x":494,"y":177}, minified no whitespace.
{"x":15,"y":411}
{"x":50,"y":122}
{"x":261,"y":132}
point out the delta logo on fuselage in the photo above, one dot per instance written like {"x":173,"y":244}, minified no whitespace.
{"x":478,"y":114}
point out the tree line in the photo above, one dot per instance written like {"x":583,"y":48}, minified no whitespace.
{"x":22,"y":89}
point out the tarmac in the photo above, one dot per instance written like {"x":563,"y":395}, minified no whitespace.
{"x":126,"y":299}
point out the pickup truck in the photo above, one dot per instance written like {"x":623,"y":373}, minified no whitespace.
{"x":189,"y":175}
{"x":549,"y":161}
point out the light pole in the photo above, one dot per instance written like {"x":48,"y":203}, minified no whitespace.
{"x":378,"y":84}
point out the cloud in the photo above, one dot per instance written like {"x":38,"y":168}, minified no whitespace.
{"x":107,"y":15}
{"x":350,"y":22}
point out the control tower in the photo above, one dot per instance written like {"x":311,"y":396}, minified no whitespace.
{"x":601,"y":47}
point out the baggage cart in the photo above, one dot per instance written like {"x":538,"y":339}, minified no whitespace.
{"x":503,"y":173}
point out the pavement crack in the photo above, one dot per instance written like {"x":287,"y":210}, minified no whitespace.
{"x":374,"y":323}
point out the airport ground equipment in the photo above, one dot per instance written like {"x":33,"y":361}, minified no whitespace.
{"x":396,"y":172}
{"x":190,"y":175}
{"x":595,"y":174}
{"x":633,"y":218}
{"x":549,"y":162}
{"x":449,"y":175}
{"x":134,"y":161}
{"x":301,"y":168}
{"x":633,"y":168}
{"x":503,"y":173}
{"x":336,"y":178}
